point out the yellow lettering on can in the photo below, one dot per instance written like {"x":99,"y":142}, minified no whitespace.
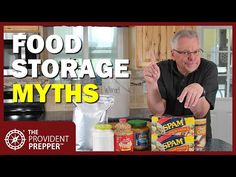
{"x":172,"y":125}
{"x":173,"y":143}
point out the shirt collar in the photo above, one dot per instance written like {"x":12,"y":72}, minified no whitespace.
{"x":176,"y":71}
{"x":179,"y":74}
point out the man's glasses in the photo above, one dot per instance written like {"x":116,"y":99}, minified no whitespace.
{"x":188,"y":53}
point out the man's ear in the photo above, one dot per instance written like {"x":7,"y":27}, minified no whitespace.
{"x":173,"y":54}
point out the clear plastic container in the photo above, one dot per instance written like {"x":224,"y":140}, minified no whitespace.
{"x":124,"y":137}
{"x":103,"y":138}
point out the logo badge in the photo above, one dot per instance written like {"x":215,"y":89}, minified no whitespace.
{"x":15,"y":139}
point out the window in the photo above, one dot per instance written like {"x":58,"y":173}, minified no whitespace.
{"x":217,"y":45}
{"x":98,"y":43}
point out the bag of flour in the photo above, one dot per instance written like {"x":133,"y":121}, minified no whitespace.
{"x":85,"y":116}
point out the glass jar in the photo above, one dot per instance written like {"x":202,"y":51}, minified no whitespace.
{"x":103,"y":138}
{"x":141,"y":134}
{"x":200,"y":134}
{"x":124,"y":138}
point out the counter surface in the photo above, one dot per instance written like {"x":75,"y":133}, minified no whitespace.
{"x":68,"y":115}
{"x":211,"y":145}
{"x":217,"y":145}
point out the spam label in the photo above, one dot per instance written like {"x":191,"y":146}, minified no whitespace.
{"x":182,"y":126}
{"x":172,"y":143}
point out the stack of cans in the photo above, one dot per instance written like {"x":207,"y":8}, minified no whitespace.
{"x":170,"y":133}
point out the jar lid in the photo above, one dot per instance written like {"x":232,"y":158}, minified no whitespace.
{"x":103,"y":126}
{"x":122,"y":120}
{"x":137,"y":123}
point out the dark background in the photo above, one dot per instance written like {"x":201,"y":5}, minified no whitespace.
{"x":118,"y":11}
{"x":133,"y":11}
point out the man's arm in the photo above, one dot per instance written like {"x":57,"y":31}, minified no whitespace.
{"x":156,"y":104}
{"x":201,"y":108}
{"x":194,"y":101}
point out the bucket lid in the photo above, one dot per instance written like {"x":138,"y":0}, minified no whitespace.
{"x":122,"y":120}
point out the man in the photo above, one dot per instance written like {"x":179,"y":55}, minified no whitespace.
{"x":186,"y":85}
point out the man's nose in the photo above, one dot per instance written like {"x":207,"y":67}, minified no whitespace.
{"x":190,"y":56}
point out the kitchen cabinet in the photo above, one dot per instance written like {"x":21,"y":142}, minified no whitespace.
{"x":22,"y":29}
{"x":30,"y":29}
{"x":144,"y":39}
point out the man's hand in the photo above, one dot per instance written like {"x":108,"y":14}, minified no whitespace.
{"x":191,"y":94}
{"x":156,"y":104}
{"x":151,"y":73}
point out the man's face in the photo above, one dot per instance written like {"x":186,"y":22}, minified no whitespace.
{"x":187,"y":55}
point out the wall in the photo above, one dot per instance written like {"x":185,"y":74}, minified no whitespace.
{"x":138,"y":90}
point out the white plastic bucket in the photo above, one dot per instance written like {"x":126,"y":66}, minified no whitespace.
{"x":120,"y":89}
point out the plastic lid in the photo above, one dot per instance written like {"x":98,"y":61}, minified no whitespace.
{"x":103,"y":126}
{"x":137,"y":123}
{"x":122,"y":120}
